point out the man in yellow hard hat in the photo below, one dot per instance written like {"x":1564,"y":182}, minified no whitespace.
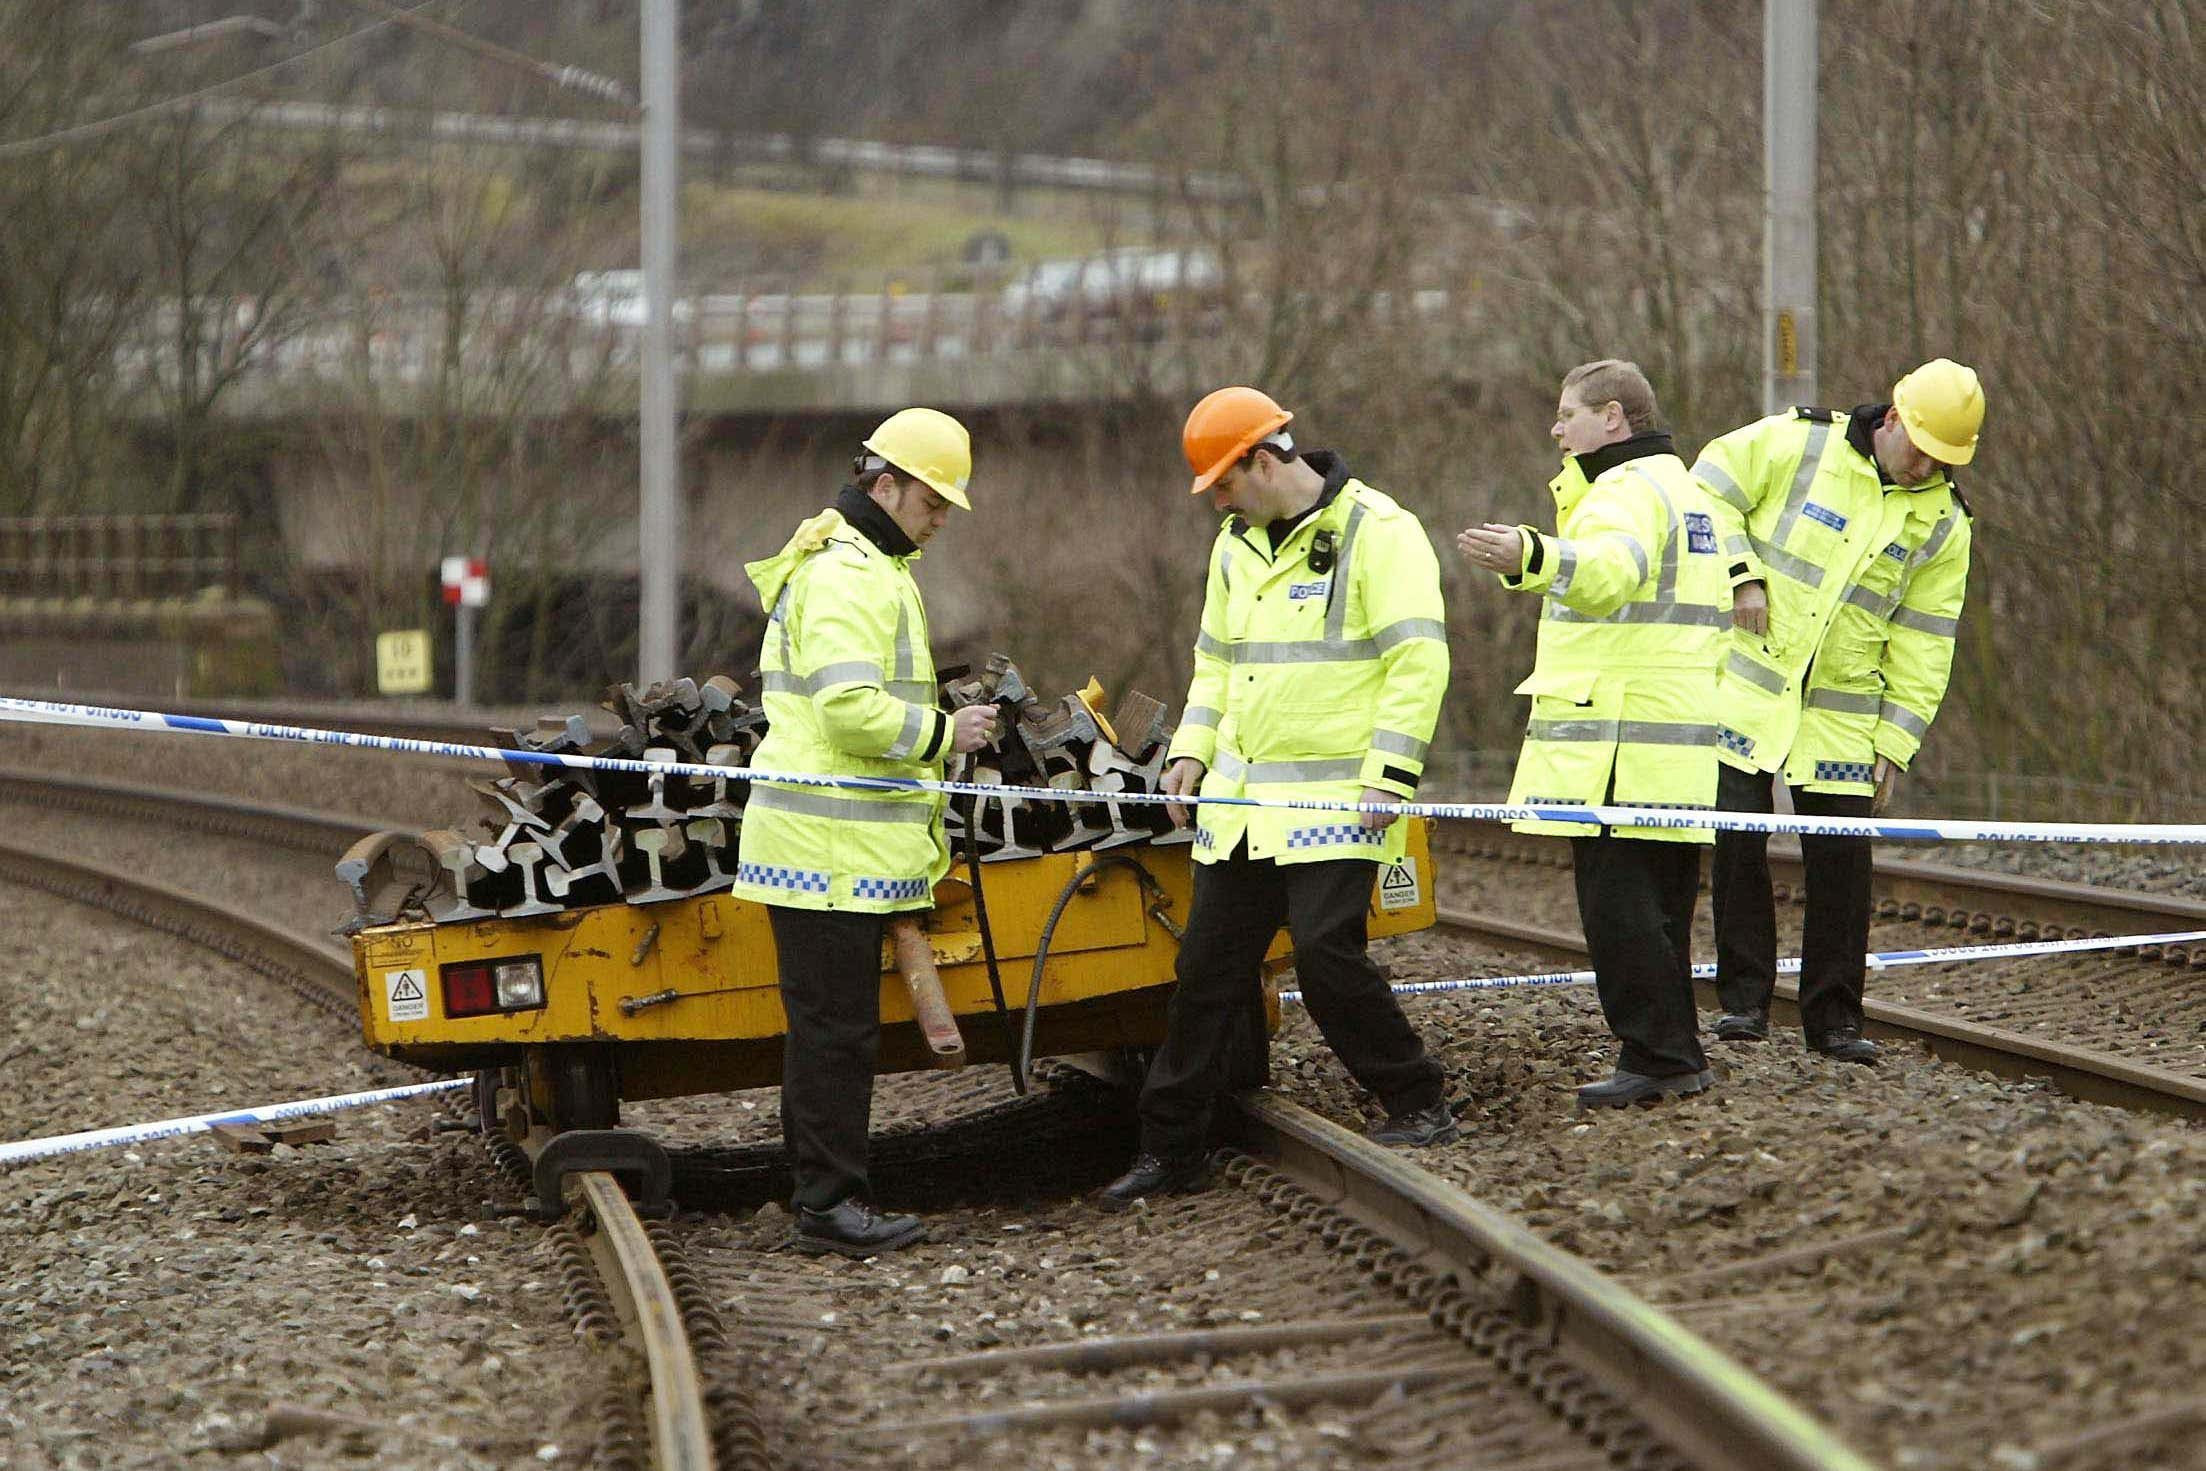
{"x":850,"y":691}
{"x":1849,"y":548}
{"x":1634,"y":604}
{"x":1319,"y":669}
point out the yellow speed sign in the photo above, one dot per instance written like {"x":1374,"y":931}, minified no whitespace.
{"x":402,"y":662}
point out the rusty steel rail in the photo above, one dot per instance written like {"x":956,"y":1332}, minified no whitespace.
{"x":2096,"y":1077}
{"x":1701,"y":1402}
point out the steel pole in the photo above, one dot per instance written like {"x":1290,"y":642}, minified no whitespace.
{"x":1788,"y":229}
{"x":659,"y":529}
{"x":463,"y":661}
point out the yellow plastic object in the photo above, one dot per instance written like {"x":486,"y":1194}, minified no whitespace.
{"x":1941,"y":406}
{"x":1093,"y":697}
{"x":685,"y":992}
{"x":931,"y":445}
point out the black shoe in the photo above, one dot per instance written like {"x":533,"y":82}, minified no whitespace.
{"x":1848,"y":1045}
{"x":1153,"y":1174}
{"x":1743,"y":1026}
{"x":1419,"y":1127}
{"x":854,"y":1228}
{"x":1624,"y":1089}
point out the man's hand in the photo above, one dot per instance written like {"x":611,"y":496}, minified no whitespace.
{"x":1750,"y":608}
{"x":971,"y":727}
{"x":1495,"y":547}
{"x":1181,"y":779}
{"x":1380,"y":821}
{"x":1888,"y":777}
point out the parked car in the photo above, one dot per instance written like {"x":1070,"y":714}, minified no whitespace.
{"x":615,"y":299}
{"x":1130,"y":281}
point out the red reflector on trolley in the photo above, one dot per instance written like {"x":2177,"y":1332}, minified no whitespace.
{"x":468,"y":991}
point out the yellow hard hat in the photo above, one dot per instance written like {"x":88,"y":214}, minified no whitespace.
{"x":930,"y":445}
{"x":1941,"y":406}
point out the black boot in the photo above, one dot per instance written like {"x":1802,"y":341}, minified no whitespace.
{"x":1848,"y":1045}
{"x":853,"y":1228}
{"x":1624,"y":1089}
{"x":1153,"y":1174}
{"x":1417,"y":1127}
{"x":1743,"y":1026}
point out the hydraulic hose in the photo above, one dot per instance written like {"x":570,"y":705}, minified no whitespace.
{"x":1049,"y":932}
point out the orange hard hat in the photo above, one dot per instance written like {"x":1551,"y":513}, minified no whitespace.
{"x":1226,"y":425}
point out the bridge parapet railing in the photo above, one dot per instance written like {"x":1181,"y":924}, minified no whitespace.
{"x":118,"y":558}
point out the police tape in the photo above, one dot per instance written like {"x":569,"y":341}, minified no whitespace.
{"x":22,"y":1150}
{"x":1588,"y":816}
{"x":1875,"y":960}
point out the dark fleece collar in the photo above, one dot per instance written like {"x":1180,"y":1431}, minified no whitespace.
{"x":880,"y":528}
{"x":1335,"y":471}
{"x":1596,"y":463}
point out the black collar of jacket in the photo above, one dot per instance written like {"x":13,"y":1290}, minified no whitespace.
{"x":1861,"y":429}
{"x":1598,"y":462}
{"x":880,"y":528}
{"x":1327,"y":464}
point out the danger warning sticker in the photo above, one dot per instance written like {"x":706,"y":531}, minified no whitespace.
{"x":406,"y":995}
{"x":1398,"y":886}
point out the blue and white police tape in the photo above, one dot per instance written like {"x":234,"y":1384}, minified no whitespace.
{"x":21,"y":1150}
{"x":1875,"y":959}
{"x":1907,"y":830}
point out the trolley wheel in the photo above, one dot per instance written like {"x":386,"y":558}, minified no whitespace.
{"x":577,"y":1086}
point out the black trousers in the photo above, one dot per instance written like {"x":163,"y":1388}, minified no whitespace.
{"x":831,"y":988}
{"x":1238,"y":907}
{"x":1837,"y":933}
{"x":1636,"y":898}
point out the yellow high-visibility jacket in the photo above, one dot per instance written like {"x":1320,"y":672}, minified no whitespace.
{"x":849,"y":691}
{"x":1319,"y":671}
{"x":1636,"y":601}
{"x":1865,"y":582}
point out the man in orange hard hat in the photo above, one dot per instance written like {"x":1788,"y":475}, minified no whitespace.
{"x":1849,"y":558}
{"x":1319,"y":670}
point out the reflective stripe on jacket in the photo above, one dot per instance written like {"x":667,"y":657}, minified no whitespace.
{"x":1315,"y":683}
{"x":849,"y":691}
{"x":1865,"y":582}
{"x":1635,"y":603}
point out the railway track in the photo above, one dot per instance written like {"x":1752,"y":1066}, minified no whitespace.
{"x":1467,"y":1275}
{"x":1296,"y":1166}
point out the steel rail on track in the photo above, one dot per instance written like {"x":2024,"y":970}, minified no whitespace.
{"x":1902,"y":882}
{"x":628,"y":1264}
{"x":1698,"y":1399}
{"x":303,"y":826}
{"x":2095,"y":1077}
{"x":644,"y":1298}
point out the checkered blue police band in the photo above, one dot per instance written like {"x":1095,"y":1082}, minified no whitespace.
{"x":1844,"y":771}
{"x":1733,"y":742}
{"x":1335,"y":832}
{"x":1205,"y":839}
{"x":774,"y":876}
{"x":892,"y":889}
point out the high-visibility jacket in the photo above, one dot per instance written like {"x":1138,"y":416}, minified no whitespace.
{"x":1635,"y":601}
{"x":1319,"y":672}
{"x":849,"y":691}
{"x":1865,"y":587}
